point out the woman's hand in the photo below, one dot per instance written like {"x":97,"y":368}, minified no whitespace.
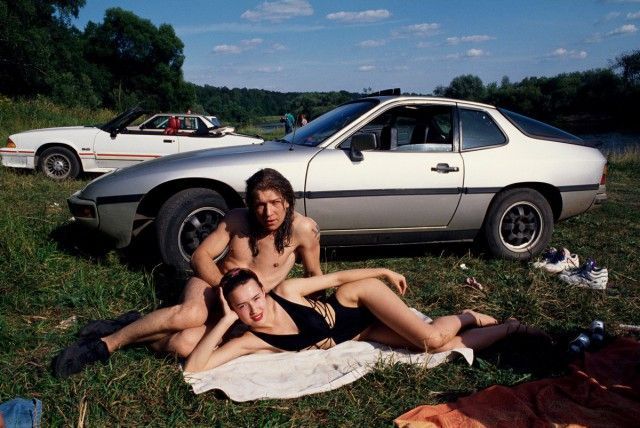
{"x":227,"y":313}
{"x":399,"y":281}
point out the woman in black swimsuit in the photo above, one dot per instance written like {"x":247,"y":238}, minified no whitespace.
{"x":362,"y":308}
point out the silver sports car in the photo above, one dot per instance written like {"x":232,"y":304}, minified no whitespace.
{"x":385,"y":169}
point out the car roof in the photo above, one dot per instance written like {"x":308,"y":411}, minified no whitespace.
{"x":385,"y":98}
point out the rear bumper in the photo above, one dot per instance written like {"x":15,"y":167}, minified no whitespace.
{"x":601,"y":196}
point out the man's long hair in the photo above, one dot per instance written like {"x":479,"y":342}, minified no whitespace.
{"x":269,"y":179}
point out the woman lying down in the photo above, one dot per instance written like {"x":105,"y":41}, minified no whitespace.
{"x":362,"y":308}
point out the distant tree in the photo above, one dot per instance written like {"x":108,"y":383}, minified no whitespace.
{"x":466,"y":87}
{"x":132,"y":61}
{"x":37,"y":44}
{"x":629,"y":65}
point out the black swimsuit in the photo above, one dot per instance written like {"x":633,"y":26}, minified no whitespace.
{"x":313,"y":327}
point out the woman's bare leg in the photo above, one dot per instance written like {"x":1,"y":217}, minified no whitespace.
{"x":396,"y":315}
{"x":474,"y":338}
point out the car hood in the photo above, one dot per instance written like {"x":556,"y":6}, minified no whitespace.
{"x":211,"y":164}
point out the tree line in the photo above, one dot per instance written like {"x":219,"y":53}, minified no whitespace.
{"x":126,"y":60}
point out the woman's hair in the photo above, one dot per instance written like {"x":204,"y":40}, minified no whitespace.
{"x":269,"y":179}
{"x":235,"y":278}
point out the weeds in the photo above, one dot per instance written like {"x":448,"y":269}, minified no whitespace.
{"x":47,"y":278}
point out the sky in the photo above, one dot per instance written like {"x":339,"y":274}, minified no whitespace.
{"x":416,"y":45}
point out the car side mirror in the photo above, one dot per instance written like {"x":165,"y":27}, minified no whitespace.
{"x":360,"y":142}
{"x":114,"y":133}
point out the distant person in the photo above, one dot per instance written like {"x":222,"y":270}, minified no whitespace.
{"x":288,"y":121}
{"x":302,"y":119}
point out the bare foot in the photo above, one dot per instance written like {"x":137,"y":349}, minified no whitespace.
{"x":481,"y":320}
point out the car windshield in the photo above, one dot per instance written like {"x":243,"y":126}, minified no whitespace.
{"x":535,"y":128}
{"x":321,"y":128}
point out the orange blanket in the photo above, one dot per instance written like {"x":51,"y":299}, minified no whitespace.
{"x":603,"y":390}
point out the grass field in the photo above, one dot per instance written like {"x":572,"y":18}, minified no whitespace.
{"x":54,"y":278}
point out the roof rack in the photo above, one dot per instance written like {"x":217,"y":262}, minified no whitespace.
{"x":394,"y":91}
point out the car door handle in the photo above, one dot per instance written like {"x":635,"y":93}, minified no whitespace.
{"x":444,"y":168}
{"x":168,"y":141}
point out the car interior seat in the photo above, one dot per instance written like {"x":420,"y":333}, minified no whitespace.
{"x":388,"y":138}
{"x":419,"y":134}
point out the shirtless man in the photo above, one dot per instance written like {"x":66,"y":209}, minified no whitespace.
{"x":264,"y":237}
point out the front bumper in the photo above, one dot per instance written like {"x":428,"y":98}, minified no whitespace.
{"x":114,"y":220}
{"x":84,"y":211}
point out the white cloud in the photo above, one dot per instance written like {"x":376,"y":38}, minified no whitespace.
{"x":363,"y":16}
{"x":244,"y":45}
{"x":472,"y":53}
{"x":625,"y":29}
{"x":251,"y":42}
{"x":634,"y":15}
{"x":278,"y":47}
{"x":610,"y":16}
{"x":227,"y":49}
{"x":573,"y":54}
{"x":477,"y":38}
{"x":371,"y":43}
{"x":620,"y":31}
{"x":422,"y":45}
{"x":279,"y":10}
{"x":276,"y":69}
{"x":419,"y":30}
{"x":366,"y":68}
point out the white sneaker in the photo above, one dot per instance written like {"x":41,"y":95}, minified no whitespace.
{"x":588,"y":276}
{"x":555,"y":261}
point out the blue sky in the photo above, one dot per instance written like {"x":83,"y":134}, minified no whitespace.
{"x":307,"y":45}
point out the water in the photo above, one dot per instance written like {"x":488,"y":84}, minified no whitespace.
{"x":613,"y":142}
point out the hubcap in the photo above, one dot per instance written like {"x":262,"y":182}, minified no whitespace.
{"x":196,"y":227}
{"x":520,"y":226}
{"x":57,"y":166}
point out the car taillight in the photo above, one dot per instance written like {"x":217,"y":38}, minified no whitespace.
{"x":11,"y":144}
{"x":605,"y":171}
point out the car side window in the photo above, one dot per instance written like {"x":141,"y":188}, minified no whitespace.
{"x":411,"y":128}
{"x":479,"y":130}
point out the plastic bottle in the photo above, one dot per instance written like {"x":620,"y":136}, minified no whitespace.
{"x":578,"y":345}
{"x":597,"y":333}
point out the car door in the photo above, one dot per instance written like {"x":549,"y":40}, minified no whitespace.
{"x":132,"y":147}
{"x":411,"y":182}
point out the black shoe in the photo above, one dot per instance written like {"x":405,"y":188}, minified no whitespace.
{"x":79,"y":355}
{"x":101,"y":328}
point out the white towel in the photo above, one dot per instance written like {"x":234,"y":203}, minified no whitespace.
{"x":294,"y":374}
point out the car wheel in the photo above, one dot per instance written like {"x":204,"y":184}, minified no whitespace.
{"x":519,"y":224}
{"x":184,"y":221}
{"x":59,"y":163}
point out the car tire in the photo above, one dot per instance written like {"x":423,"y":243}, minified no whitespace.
{"x":519,"y":224}
{"x":59,"y":163}
{"x":184,"y":221}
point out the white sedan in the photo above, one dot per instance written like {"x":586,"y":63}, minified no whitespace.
{"x":62,"y":153}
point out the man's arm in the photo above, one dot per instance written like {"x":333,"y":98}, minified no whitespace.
{"x":202,"y":258}
{"x":309,"y":246}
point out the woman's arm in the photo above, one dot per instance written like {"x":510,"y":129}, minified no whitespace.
{"x":305,"y":286}
{"x":207,"y":354}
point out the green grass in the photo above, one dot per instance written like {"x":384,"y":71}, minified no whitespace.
{"x":50,"y":273}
